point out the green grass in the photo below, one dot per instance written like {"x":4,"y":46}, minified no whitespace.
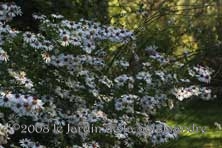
{"x":200,"y":113}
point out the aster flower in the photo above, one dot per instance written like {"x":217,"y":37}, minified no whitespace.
{"x":122,"y":79}
{"x":8,"y":11}
{"x":13,"y":11}
{"x":46,"y":57}
{"x":29,"y":37}
{"x":21,"y":78}
{"x":25,"y":143}
{"x":160,"y":133}
{"x":4,"y":27}
{"x":144,"y":76}
{"x":57,"y":16}
{"x":4,"y":134}
{"x":122,"y":63}
{"x":182,"y":93}
{"x":36,"y":44}
{"x":88,"y":47}
{"x":105,"y":80}
{"x":125,"y":102}
{"x":3,"y":55}
{"x":202,"y":92}
{"x":206,"y":94}
{"x":38,"y":17}
{"x":65,"y":40}
{"x":21,"y":104}
{"x":149,"y":104}
{"x":203,"y":74}
{"x":75,"y":41}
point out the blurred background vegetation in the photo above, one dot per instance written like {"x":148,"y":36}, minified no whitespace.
{"x":184,"y":28}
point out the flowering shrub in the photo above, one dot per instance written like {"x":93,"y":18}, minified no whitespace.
{"x":65,"y":75}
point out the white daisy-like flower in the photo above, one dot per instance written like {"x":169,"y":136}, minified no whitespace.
{"x":57,"y":16}
{"x":4,"y":27}
{"x":182,"y":93}
{"x":47,"y":45}
{"x":21,"y":78}
{"x":75,"y":41}
{"x":36,"y":44}
{"x":119,"y":106}
{"x":206,"y":94}
{"x":3,"y":55}
{"x":65,"y":40}
{"x":25,"y":143}
{"x":21,"y":104}
{"x":29,"y":37}
{"x":106,"y":81}
{"x":144,"y":76}
{"x":46,"y":57}
{"x":4,"y":134}
{"x":160,"y":133}
{"x":38,"y":17}
{"x":36,"y":104}
{"x":122,"y":79}
{"x":13,"y":10}
{"x":203,"y":74}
